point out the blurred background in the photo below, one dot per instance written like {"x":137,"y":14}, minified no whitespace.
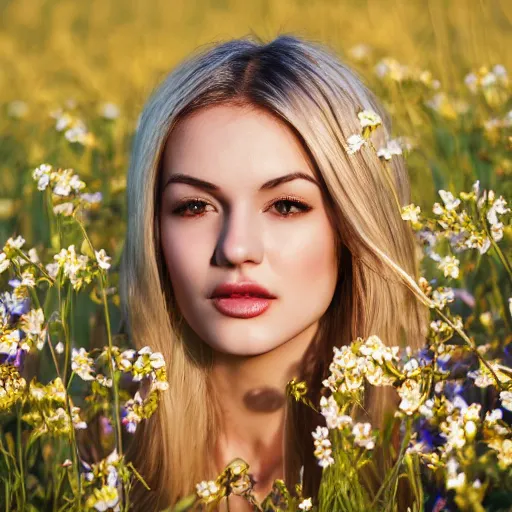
{"x":74,"y":77}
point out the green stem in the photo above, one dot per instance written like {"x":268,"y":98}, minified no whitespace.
{"x":392,"y":474}
{"x":472,"y":346}
{"x":496,"y":247}
{"x":116,"y":415}
{"x":21,"y":461}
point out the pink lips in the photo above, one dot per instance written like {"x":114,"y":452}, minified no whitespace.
{"x":241,"y":300}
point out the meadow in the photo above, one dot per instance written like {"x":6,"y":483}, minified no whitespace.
{"x":73,"y":79}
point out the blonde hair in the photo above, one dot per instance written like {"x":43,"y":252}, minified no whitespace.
{"x":304,"y":84}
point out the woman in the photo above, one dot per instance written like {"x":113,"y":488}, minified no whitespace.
{"x":244,"y":279}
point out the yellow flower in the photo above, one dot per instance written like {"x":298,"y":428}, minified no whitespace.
{"x":12,"y":386}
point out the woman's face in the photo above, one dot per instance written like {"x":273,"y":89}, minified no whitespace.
{"x":238,"y":229}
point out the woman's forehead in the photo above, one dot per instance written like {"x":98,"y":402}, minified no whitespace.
{"x":225,"y":143}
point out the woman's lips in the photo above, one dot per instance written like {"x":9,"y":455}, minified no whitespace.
{"x":239,"y":306}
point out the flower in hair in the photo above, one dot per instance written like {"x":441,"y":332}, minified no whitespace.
{"x":392,"y":148}
{"x":355,"y":143}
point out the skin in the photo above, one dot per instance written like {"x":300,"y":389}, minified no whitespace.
{"x":241,"y":232}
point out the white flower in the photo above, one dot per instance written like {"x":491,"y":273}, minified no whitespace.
{"x":32,"y":254}
{"x":104,"y":381}
{"x":506,"y":399}
{"x":59,"y":347}
{"x":410,"y":393}
{"x":363,"y":437}
{"x":441,"y":296}
{"x":322,"y":447}
{"x":65,"y":209}
{"x":471,"y":82}
{"x":108,"y":498}
{"x":498,"y":207}
{"x":206,"y":489}
{"x":9,"y":345}
{"x":67,"y":181}
{"x":15,"y":243}
{"x":94,"y":198}
{"x":369,"y":118}
{"x":482,"y":380}
{"x":392,"y":148}
{"x":355,"y":143}
{"x":77,"y":133}
{"x":427,"y":409}
{"x":103,"y":259}
{"x":4,"y":262}
{"x":82,"y":363}
{"x":305,"y":504}
{"x":411,"y":213}
{"x":449,"y":200}
{"x":331,"y":412}
{"x":110,"y":110}
{"x":41,"y":171}
{"x":450,"y":266}
{"x":493,"y":416}
{"x":500,"y":71}
{"x":52,"y":269}
{"x":455,"y":480}
{"x":497,"y":231}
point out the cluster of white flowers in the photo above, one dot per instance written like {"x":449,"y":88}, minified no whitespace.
{"x":459,"y":227}
{"x":486,"y":78}
{"x":9,"y":255}
{"x":207,"y":490}
{"x":411,"y":396}
{"x":82,"y":364}
{"x":63,"y":181}
{"x":323,"y":447}
{"x":450,"y":266}
{"x":483,"y":377}
{"x":107,"y":496}
{"x":32,"y":324}
{"x":390,"y":68}
{"x":498,"y":207}
{"x":77,"y":267}
{"x":73,"y":127}
{"x":330,"y":410}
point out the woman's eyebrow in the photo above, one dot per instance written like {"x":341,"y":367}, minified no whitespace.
{"x":206,"y":185}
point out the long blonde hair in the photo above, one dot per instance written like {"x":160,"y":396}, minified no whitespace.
{"x":304,"y":84}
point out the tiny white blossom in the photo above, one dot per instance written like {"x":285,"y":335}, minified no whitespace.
{"x":109,"y":110}
{"x":450,"y":266}
{"x":369,"y":118}
{"x":449,"y":200}
{"x":363,"y":436}
{"x":4,"y":262}
{"x":82,"y":363}
{"x":355,"y":143}
{"x":306,"y":504}
{"x":506,"y":399}
{"x":65,"y":209}
{"x":103,"y":259}
{"x":392,"y":148}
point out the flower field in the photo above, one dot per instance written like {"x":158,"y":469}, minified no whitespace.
{"x":74,"y":78}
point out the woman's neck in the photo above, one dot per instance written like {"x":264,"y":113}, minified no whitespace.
{"x":251,"y":398}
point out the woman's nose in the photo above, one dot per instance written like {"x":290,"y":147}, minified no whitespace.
{"x":240,"y":239}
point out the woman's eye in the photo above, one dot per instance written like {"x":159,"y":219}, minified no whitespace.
{"x":194,"y":206}
{"x":283,"y":206}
